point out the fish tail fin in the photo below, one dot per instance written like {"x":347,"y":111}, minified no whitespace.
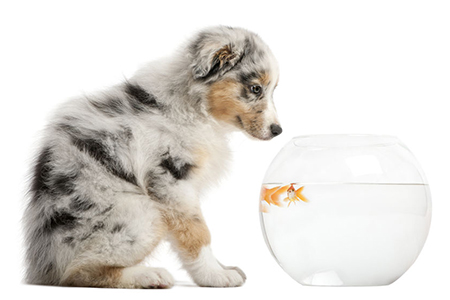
{"x":267,"y":193}
{"x":298,"y":193}
{"x":275,"y":197}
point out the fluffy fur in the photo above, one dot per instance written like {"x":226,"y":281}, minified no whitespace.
{"x":123,"y":169}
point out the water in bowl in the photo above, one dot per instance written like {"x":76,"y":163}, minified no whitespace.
{"x":345,"y":234}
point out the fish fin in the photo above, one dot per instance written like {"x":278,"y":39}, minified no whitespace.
{"x":298,"y":193}
{"x":268,"y":193}
{"x":275,"y":197}
{"x":263,"y":193}
{"x":264,"y":208}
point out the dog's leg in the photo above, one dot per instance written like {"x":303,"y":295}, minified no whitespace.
{"x":114,"y":264}
{"x":117,"y":277}
{"x":110,"y":256}
{"x":191,"y":239}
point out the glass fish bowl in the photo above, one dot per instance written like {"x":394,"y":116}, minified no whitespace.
{"x":345,"y":210}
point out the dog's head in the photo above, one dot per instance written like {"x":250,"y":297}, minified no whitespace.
{"x":240,"y":74}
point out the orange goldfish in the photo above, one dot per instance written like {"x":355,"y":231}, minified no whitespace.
{"x":271,"y":196}
{"x":295,"y":195}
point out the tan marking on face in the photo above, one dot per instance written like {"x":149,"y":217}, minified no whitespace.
{"x":189,"y":231}
{"x":224,"y":105}
{"x":223,"y":100}
{"x":264,"y":79}
{"x":93,"y":276}
{"x":253,"y":121}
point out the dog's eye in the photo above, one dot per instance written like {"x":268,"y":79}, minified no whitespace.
{"x":256,"y":89}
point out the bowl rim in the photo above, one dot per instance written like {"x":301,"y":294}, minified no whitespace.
{"x":344,"y":140}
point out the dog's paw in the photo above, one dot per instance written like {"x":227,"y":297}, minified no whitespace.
{"x":236,"y":269}
{"x":141,"y":277}
{"x":226,"y":277}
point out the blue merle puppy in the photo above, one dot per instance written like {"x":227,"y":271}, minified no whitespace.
{"x":121,"y":170}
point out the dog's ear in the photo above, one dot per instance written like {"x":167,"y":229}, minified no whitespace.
{"x":215,"y":60}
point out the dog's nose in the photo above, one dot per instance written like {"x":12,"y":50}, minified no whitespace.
{"x":275,"y":129}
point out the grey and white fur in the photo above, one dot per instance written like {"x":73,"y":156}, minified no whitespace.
{"x":119,"y":171}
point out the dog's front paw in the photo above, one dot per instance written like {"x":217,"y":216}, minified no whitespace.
{"x":224,"y":277}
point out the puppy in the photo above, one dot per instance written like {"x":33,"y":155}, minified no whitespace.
{"x":124,"y":169}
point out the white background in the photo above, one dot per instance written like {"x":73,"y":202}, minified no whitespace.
{"x":378,"y":67}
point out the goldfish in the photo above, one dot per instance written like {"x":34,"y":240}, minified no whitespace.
{"x":273,"y":195}
{"x":295,"y":195}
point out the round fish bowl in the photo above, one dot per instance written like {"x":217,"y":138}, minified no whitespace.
{"x":345,"y":210}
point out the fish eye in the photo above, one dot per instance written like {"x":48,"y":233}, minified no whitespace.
{"x":256,"y":89}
